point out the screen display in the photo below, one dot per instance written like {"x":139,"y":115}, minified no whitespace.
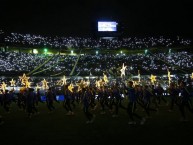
{"x":60,"y":97}
{"x":43,"y":98}
{"x":107,"y":26}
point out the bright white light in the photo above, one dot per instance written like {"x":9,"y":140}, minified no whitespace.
{"x":35,"y":51}
{"x":107,"y":26}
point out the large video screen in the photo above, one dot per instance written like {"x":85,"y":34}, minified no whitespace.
{"x":107,"y":26}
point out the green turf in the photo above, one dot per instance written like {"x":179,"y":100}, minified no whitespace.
{"x":57,"y":128}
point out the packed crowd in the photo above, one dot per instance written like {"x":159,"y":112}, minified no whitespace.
{"x":108,"y":97}
{"x":80,"y":42}
{"x":95,"y":65}
{"x":18,"y":63}
{"x":152,"y":63}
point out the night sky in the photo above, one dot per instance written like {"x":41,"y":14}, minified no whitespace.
{"x":79,"y":17}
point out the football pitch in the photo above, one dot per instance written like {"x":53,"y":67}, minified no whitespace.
{"x":58,"y":128}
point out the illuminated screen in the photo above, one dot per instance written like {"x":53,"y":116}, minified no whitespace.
{"x":60,"y":97}
{"x":43,"y":98}
{"x":107,"y":26}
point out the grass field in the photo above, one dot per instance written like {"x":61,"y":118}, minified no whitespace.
{"x":57,"y":128}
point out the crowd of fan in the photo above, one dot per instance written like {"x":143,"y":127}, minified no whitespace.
{"x":87,"y":64}
{"x":81,"y":42}
{"x":17,"y":63}
{"x":147,"y":64}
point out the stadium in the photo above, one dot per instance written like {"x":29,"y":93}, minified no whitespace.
{"x":108,"y":87}
{"x":55,"y":57}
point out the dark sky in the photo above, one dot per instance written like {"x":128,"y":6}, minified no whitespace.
{"x":71,"y":17}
